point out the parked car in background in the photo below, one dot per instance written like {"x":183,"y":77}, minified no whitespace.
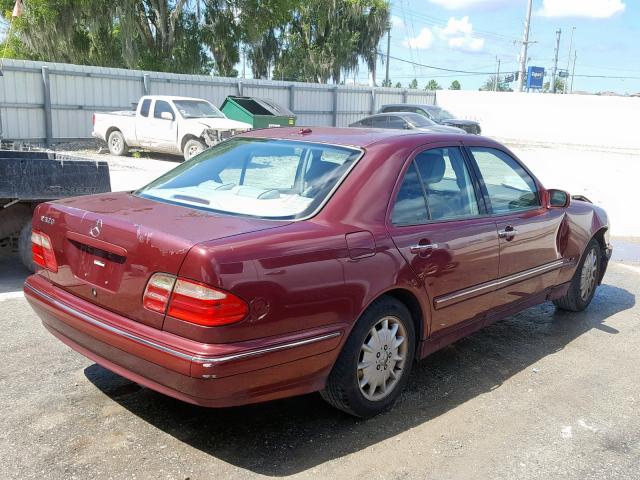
{"x":287,"y":261}
{"x":404,"y":121}
{"x":178,"y":125}
{"x":436,"y":114}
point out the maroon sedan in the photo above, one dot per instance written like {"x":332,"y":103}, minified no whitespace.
{"x":287,"y":261}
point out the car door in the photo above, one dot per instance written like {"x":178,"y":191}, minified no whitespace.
{"x":530,"y":233}
{"x":142,"y":123}
{"x":438,"y":222}
{"x":162,"y":133}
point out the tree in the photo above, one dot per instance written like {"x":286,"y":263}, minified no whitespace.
{"x":559,"y":86}
{"x":490,"y":85}
{"x":433,"y":85}
{"x":413,"y":84}
{"x":386,"y":83}
{"x":455,"y":85}
{"x":398,"y":85}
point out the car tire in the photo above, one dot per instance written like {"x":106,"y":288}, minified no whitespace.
{"x":24,"y":247}
{"x":117,"y":144}
{"x":192,"y":148}
{"x":585,"y":280}
{"x":369,"y":362}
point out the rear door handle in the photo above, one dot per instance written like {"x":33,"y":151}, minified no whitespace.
{"x":423,"y":248}
{"x":508,"y":233}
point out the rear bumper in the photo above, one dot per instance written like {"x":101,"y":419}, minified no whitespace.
{"x":215,"y":375}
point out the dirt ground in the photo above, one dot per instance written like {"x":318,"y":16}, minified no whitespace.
{"x":541,"y":395}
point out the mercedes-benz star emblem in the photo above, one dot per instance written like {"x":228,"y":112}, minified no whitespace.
{"x":96,"y":229}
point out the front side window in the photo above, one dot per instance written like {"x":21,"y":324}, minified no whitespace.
{"x":160,"y":107}
{"x":509,"y":186}
{"x":397,"y":123}
{"x":447,"y":182}
{"x":264,"y":178}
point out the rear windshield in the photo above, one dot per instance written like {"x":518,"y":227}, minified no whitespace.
{"x":276,"y":179}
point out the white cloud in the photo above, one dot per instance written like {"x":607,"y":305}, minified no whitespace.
{"x":422,"y":41}
{"x":581,"y":8}
{"x":467,"y":44}
{"x":457,"y":4}
{"x":459,"y":35}
{"x":397,"y":22}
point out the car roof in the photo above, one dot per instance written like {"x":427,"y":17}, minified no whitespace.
{"x":353,"y":137}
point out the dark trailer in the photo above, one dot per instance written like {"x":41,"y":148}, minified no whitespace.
{"x":29,"y":178}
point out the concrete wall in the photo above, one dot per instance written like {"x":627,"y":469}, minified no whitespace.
{"x":585,"y":120}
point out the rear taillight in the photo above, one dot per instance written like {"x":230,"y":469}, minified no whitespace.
{"x":156,"y":295}
{"x":193,"y":301}
{"x":93,"y":119}
{"x":42,"y":251}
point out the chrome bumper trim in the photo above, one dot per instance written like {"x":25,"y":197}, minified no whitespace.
{"x":206,"y":361}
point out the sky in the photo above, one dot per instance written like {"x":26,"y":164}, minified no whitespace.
{"x":471,"y":34}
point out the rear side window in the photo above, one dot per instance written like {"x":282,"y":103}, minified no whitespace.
{"x":509,"y":186}
{"x":410,"y":207}
{"x":160,"y":107}
{"x":380,"y":122}
{"x":397,"y":123}
{"x":144,"y":108}
{"x":276,"y":179}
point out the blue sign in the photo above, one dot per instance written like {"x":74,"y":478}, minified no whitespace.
{"x":535,"y":77}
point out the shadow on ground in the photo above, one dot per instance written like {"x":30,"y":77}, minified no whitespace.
{"x":12,"y":274}
{"x":289,"y":436}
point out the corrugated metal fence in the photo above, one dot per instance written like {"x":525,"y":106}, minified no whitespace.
{"x":52,"y":102}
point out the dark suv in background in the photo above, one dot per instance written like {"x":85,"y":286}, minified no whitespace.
{"x":437,"y":114}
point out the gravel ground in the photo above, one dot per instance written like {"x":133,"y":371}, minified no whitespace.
{"x":541,"y":395}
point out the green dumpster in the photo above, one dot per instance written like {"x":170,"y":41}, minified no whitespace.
{"x":258,"y":112}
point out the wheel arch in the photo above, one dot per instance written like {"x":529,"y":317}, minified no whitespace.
{"x":186,"y":138}
{"x":110,"y":130}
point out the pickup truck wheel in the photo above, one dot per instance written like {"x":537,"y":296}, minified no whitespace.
{"x":374,"y":365}
{"x":24,"y":247}
{"x":192,"y":148}
{"x":117,"y":144}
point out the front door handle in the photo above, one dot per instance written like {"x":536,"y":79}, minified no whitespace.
{"x":508,"y":233}
{"x":423,"y":248}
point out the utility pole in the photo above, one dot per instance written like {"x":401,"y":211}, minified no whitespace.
{"x":573,"y":73}
{"x":386,"y":77}
{"x":555,"y":62}
{"x":525,"y":45}
{"x":566,"y":82}
{"x":497,"y":77}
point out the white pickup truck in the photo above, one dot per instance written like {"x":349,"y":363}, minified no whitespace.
{"x":167,"y":124}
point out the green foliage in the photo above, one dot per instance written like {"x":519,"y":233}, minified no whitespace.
{"x":559,"y":86}
{"x":455,"y":85}
{"x":414,"y":84}
{"x":490,"y":85}
{"x":386,"y":83}
{"x":433,"y":85}
{"x":398,"y":85}
{"x":309,"y":40}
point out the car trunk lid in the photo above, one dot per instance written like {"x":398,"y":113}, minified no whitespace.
{"x":108,"y":246}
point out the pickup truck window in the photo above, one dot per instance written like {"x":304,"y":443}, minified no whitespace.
{"x":266,"y":178}
{"x":197,"y":109}
{"x":160,"y":107}
{"x":145,"y":107}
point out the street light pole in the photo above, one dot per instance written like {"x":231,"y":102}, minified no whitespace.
{"x":386,"y":77}
{"x":525,"y":45}
{"x":566,"y":82}
{"x":555,"y":62}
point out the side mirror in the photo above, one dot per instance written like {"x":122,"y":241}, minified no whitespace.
{"x":558,"y":198}
{"x":166,"y":115}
